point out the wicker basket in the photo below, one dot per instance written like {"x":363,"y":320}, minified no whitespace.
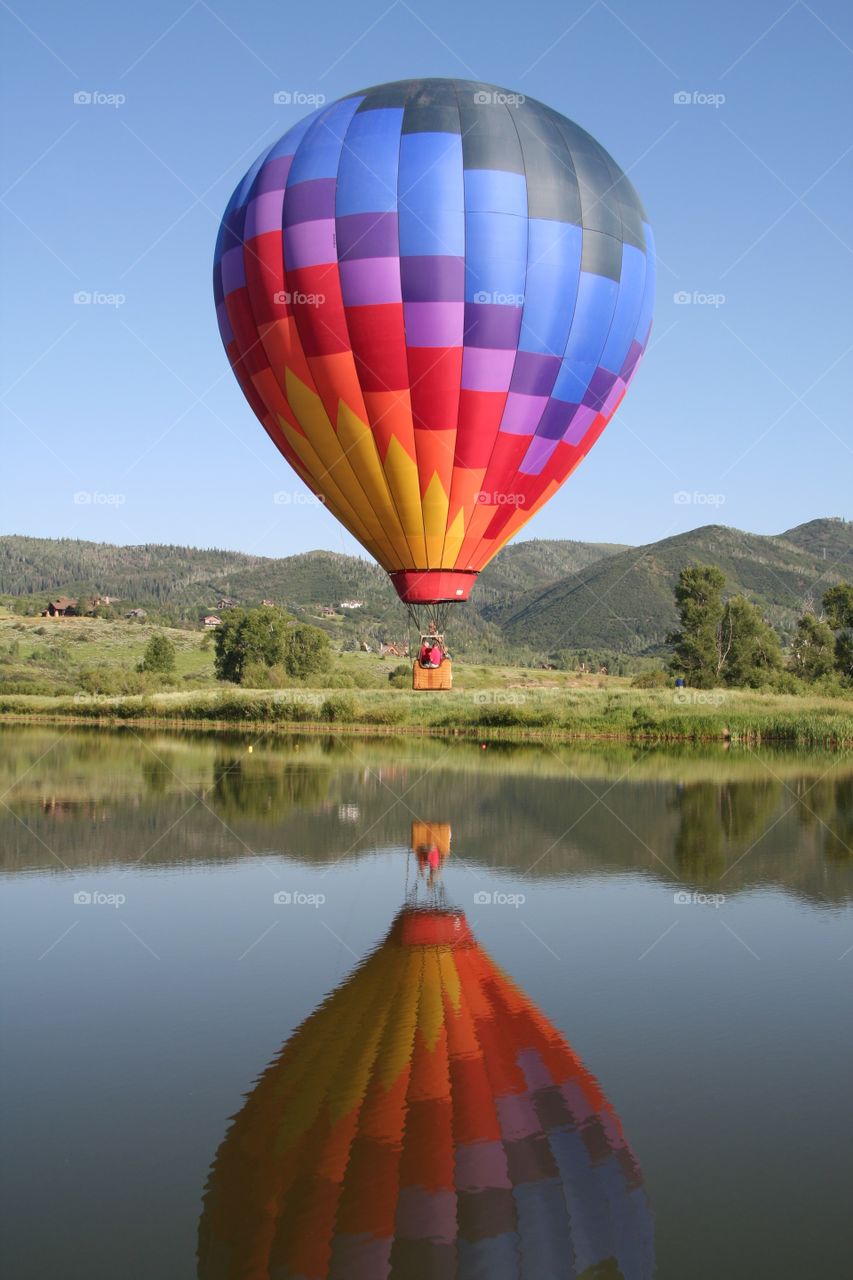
{"x":432,"y":677}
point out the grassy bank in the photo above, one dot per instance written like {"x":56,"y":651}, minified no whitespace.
{"x":557,"y":714}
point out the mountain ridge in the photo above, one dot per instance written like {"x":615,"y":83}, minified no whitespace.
{"x":540,"y":594}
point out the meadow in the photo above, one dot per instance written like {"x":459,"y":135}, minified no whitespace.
{"x":84,"y":670}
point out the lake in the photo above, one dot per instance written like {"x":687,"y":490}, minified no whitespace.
{"x":324,"y":1006}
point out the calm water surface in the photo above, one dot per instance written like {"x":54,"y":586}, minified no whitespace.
{"x":325,"y":1007}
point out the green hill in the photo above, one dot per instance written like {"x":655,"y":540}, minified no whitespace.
{"x":542,"y":595}
{"x":625,"y":602}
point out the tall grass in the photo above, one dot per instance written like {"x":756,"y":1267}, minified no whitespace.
{"x":563,"y":715}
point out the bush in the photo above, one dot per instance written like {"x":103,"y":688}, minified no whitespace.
{"x":400,"y":677}
{"x":338,"y":680}
{"x":651,"y":680}
{"x":339,"y":709}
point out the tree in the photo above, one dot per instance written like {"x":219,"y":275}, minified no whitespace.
{"x":306,"y":651}
{"x":838,"y":606}
{"x":159,"y":656}
{"x":699,"y":651}
{"x":752,"y":646}
{"x":813,"y":652}
{"x":247,"y":638}
{"x":248,"y":635}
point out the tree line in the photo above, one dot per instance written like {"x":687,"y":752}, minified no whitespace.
{"x":728,"y":641}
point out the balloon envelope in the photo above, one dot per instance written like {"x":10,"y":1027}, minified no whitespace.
{"x":426,"y":1121}
{"x":434,"y":294}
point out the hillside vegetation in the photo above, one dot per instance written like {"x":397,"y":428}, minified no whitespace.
{"x":626,"y":602}
{"x":536,"y":598}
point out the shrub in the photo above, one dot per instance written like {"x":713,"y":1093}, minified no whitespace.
{"x":400,"y":677}
{"x":338,"y":680}
{"x":651,"y":680}
{"x":339,"y":709}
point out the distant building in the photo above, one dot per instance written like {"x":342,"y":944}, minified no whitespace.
{"x":352,"y":604}
{"x":61,"y":607}
{"x":211,"y":620}
{"x":328,"y":611}
{"x":228,"y":602}
{"x":269,"y":603}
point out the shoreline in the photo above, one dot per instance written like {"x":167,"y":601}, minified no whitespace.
{"x":630,"y":716}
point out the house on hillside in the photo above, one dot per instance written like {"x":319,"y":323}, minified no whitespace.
{"x":394,"y":650}
{"x":270,"y":603}
{"x":211,"y":620}
{"x":61,"y":607}
{"x":352,"y":604}
{"x":328,"y":611}
{"x":229,"y":602}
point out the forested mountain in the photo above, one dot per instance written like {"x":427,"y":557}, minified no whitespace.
{"x":625,"y":601}
{"x":541,"y":595}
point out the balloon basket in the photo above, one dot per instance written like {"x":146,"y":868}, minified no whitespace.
{"x":440,"y":677}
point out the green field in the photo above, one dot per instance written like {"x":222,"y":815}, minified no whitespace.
{"x":84,"y":669}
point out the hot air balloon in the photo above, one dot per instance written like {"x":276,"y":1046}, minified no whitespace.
{"x":434,"y":294}
{"x":426,"y":1123}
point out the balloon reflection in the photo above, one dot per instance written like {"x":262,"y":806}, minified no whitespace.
{"x":426,"y":1121}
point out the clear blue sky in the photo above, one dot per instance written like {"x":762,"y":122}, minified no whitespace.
{"x":750,"y":198}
